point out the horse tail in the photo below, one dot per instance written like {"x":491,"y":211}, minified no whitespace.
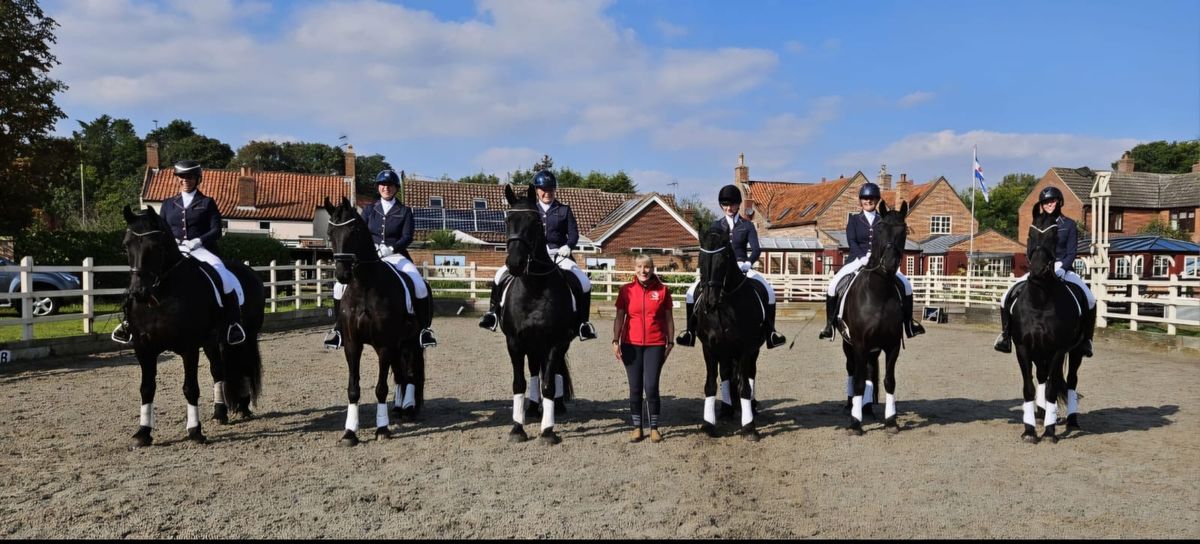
{"x":568,"y":388}
{"x":1059,"y":379}
{"x":245,"y":360}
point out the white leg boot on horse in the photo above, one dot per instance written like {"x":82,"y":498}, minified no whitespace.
{"x":220,"y":409}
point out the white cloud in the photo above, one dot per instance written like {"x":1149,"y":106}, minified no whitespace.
{"x":926,"y":155}
{"x":912,"y":99}
{"x":670,"y":31}
{"x":502,"y":160}
{"x":795,"y":47}
{"x":277,"y":138}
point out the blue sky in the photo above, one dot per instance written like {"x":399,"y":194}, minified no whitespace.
{"x":665,"y":90}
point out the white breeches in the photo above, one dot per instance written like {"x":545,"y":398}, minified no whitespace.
{"x":852,"y":266}
{"x":403,"y":266}
{"x":1061,"y":273}
{"x":752,"y":273}
{"x":228,"y":280}
{"x":563,"y":263}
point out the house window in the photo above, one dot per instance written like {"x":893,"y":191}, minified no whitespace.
{"x":827,"y":264}
{"x":1184,"y":220}
{"x":1162,"y":265}
{"x":1191,"y":267}
{"x":1139,"y":267}
{"x":1121,"y":267}
{"x":597,"y":263}
{"x":435,"y":202}
{"x":480,"y":204}
{"x":1116,"y":220}
{"x":909,"y":263}
{"x":935,"y":265}
{"x":997,"y":266}
{"x":1080,"y":268}
{"x":264,"y":225}
{"x":939,"y":224}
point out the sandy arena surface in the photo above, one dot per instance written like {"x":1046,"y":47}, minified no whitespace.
{"x":957,"y":469}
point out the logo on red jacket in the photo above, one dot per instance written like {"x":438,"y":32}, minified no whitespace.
{"x":653,"y":295}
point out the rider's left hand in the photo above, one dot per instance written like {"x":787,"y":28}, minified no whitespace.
{"x":192,"y":244}
{"x":564,"y":251}
{"x":744,"y":265}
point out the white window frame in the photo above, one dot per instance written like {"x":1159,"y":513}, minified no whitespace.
{"x":933,"y":224}
{"x":937,"y":265}
{"x":1121,"y":266}
{"x":1192,"y":263}
{"x":910,"y":263}
{"x":1139,"y":266}
{"x":1080,"y":267}
{"x":475,"y":204}
{"x":441,"y":202}
{"x":1162,"y":266}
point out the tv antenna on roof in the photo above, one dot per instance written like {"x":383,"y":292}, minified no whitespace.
{"x":674,"y":185}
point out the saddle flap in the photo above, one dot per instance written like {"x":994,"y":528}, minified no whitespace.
{"x":215,"y":279}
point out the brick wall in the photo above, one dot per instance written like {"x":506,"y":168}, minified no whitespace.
{"x":1137,"y":219}
{"x":1072,"y":206}
{"x":940,"y":200}
{"x":655,"y":227}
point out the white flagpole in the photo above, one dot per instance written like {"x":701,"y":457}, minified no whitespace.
{"x":971,"y":245}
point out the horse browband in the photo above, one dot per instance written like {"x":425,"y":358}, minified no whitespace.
{"x":1043,"y":231}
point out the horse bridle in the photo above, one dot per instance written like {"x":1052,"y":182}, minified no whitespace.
{"x":532,"y":258}
{"x":158,"y":277}
{"x":724,"y":287}
{"x":350,"y":258}
{"x":879,"y":262}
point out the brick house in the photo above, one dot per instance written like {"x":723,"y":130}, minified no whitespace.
{"x":1146,"y":257}
{"x":283,"y":205}
{"x":995,"y":255}
{"x":796,"y":210}
{"x":1138,"y":198}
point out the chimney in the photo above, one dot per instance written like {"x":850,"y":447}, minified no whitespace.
{"x":885,"y":179}
{"x":350,"y":161}
{"x":741,"y":174}
{"x":246,"y":188}
{"x":1126,"y":163}
{"x":689,"y":215}
{"x":152,"y":155}
{"x":822,"y":179}
{"x":903,"y":189}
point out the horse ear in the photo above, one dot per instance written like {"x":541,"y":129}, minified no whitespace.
{"x":128,"y":214}
{"x":883,"y":207}
{"x":904,"y":209}
{"x":327,"y":206}
{"x":531,"y":196}
{"x":346,"y":203}
{"x":509,"y":195}
{"x":150,"y":211}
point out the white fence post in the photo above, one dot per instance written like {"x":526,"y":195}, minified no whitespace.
{"x":317,"y":274}
{"x":296,"y":280}
{"x":89,"y":317}
{"x":1173,"y":293}
{"x":472,"y":274}
{"x":26,"y":298}
{"x":274,"y":283}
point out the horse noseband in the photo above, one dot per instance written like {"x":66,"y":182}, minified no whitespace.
{"x":348,"y":258}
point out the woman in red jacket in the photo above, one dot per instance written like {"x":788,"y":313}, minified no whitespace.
{"x":642,"y":338}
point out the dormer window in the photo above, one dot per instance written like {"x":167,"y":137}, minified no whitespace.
{"x":435,"y":202}
{"x":480,"y":204}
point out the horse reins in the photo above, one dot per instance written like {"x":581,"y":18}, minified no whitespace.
{"x":531,"y":259}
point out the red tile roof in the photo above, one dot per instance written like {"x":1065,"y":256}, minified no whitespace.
{"x":278,"y":195}
{"x":791,"y":204}
{"x":913,"y":197}
{"x":589,"y":205}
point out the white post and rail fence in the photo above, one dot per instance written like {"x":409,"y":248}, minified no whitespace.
{"x":1169,"y":303}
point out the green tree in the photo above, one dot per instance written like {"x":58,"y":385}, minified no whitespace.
{"x":1003,"y":209}
{"x":178,"y":140}
{"x":303,"y":157}
{"x":366,"y":167}
{"x":702,"y":215}
{"x":443,"y":239}
{"x":1158,"y":227}
{"x":480,"y":179}
{"x":27,"y":108}
{"x":1165,"y":158}
{"x":113,"y":161}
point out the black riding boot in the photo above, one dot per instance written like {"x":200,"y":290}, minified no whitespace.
{"x":774,"y":339}
{"x":424,"y":309}
{"x":333,"y":338}
{"x":1003,"y":342}
{"x":489,"y":321}
{"x":831,"y":310}
{"x":1089,"y":330}
{"x":122,"y":334}
{"x":586,"y":330}
{"x":233,"y":314}
{"x":912,"y":327}
{"x":688,"y":336}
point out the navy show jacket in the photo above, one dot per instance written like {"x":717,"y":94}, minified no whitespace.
{"x":200,"y":221}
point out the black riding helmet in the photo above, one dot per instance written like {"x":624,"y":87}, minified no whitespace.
{"x":729,"y":195}
{"x":387,"y":177}
{"x":188,"y":169}
{"x":545,"y":180}
{"x":870,"y":191}
{"x":1051,"y":193}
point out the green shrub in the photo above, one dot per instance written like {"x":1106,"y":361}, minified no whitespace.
{"x":258,"y":250}
{"x":69,"y":248}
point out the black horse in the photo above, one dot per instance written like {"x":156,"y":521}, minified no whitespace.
{"x":730,"y":317}
{"x":373,"y":311}
{"x":174,"y":305}
{"x":537,"y":316}
{"x":872,"y":319}
{"x":1047,"y":325}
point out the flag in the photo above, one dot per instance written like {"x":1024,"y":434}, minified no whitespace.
{"x":979,"y":174}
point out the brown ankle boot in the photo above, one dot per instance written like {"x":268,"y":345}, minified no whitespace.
{"x":655,"y":436}
{"x":636,"y":435}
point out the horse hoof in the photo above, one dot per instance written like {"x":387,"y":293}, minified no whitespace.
{"x":517,"y":435}
{"x":854,"y":428}
{"x":750,"y":432}
{"x":142,"y":438}
{"x":1050,"y":435}
{"x":220,"y":413}
{"x":709,"y":429}
{"x":349,"y":439}
{"x":1073,"y":422}
{"x":196,"y":436}
{"x":726,"y":411}
{"x":754,"y":407}
{"x":383,"y":433}
{"x":550,"y":438}
{"x":891,"y":425}
{"x":1029,"y":437}
{"x":409,"y":413}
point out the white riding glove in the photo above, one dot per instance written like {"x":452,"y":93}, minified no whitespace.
{"x":745,"y":266}
{"x":1058,"y":269}
{"x":564,"y":251}
{"x":192,"y":244}
{"x":384,"y":250}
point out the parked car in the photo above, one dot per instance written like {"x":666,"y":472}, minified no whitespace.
{"x":10,"y":282}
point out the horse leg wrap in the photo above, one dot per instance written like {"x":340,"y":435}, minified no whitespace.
{"x":710,"y":410}
{"x":856,"y":408}
{"x":410,"y":396}
{"x":147,"y":418}
{"x":1072,"y":402}
{"x":1051,"y":413}
{"x":519,"y":409}
{"x":399,"y":399}
{"x":890,"y":411}
{"x":752,"y":390}
{"x":1041,"y":396}
{"x":849,"y":386}
{"x":1027,"y":416}
{"x":193,"y":416}
{"x":558,"y":386}
{"x":547,"y":414}
{"x":381,"y":415}
{"x":219,"y":393}
{"x":352,"y":417}
{"x":725,"y":393}
{"x":747,"y":413}
{"x":869,"y":394}
{"x":535,"y":389}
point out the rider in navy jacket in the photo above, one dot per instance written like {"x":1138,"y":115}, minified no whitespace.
{"x":1068,"y":239}
{"x":744,"y":236}
{"x":200,"y":221}
{"x":394,"y":228}
{"x":561,"y":229}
